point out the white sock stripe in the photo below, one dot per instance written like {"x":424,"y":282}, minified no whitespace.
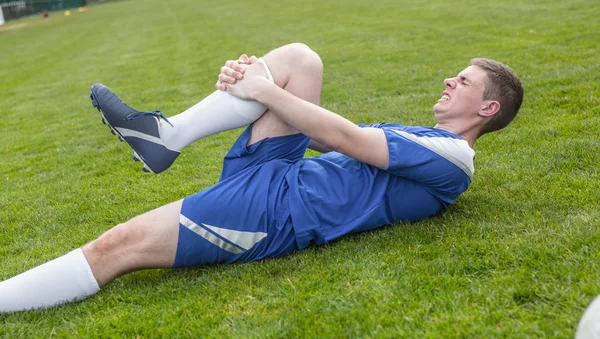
{"x":131,"y":133}
{"x":269,"y":75}
{"x":192,"y":226}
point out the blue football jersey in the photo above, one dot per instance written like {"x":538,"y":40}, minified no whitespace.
{"x":332,"y":194}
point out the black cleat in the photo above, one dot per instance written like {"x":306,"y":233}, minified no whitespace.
{"x":139,"y":129}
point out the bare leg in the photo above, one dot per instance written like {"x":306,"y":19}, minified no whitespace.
{"x":146,"y":241}
{"x":150,"y":240}
{"x":298,"y":70}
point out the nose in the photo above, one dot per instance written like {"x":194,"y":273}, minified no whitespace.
{"x":450,"y":83}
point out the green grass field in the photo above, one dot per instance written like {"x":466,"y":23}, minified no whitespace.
{"x":517,"y":256}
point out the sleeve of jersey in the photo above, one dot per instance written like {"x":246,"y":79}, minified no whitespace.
{"x":441,"y":163}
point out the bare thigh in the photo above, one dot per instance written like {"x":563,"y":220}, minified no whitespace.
{"x":298,"y":70}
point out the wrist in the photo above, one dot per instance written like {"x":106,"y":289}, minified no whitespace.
{"x":260,"y":89}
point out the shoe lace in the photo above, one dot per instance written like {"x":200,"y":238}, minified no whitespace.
{"x":157,"y":114}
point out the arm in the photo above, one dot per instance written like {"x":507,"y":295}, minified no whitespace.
{"x":368,"y":145}
{"x":233,"y":71}
{"x":315,"y":146}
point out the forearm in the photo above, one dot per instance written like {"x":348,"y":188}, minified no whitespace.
{"x":315,"y":146}
{"x":324,"y":127}
{"x":368,"y":145}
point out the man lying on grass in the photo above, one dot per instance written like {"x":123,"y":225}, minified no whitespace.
{"x":269,"y":201}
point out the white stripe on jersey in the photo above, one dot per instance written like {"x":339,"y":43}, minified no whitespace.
{"x":457,"y":151}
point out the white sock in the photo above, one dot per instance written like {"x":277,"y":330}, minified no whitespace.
{"x":64,"y":279}
{"x":218,"y":112}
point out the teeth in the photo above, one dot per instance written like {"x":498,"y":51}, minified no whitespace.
{"x":445,"y":97}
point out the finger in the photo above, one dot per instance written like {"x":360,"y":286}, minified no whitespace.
{"x":235,"y":74}
{"x":233,"y":64}
{"x":230,"y":64}
{"x":229,"y":88}
{"x":221,"y":86}
{"x":231,"y":73}
{"x":253,"y":59}
{"x":226,"y":79}
{"x":243,"y":59}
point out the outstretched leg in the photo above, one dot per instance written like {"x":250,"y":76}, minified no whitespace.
{"x":149,"y":240}
{"x":146,"y":241}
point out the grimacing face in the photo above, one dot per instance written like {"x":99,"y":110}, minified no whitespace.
{"x":463,"y":95}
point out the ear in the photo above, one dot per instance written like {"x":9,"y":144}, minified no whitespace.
{"x":489,"y":108}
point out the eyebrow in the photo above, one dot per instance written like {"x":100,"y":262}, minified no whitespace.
{"x":463,"y":78}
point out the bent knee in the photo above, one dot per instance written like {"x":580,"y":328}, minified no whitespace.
{"x":305,"y":56}
{"x":118,"y":238}
{"x":293,"y":58}
{"x":298,"y":48}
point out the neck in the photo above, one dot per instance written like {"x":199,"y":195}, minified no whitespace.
{"x":467,"y":132}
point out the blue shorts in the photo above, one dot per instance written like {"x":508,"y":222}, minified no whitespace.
{"x":246,"y":216}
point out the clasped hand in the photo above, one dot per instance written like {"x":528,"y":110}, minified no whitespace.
{"x":238,"y":77}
